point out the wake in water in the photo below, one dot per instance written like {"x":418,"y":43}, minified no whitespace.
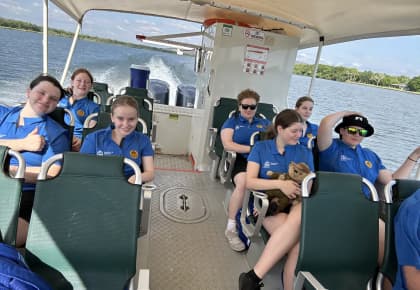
{"x":160,"y":70}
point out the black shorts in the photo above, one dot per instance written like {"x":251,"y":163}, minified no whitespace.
{"x":26,"y":204}
{"x":240,"y":166}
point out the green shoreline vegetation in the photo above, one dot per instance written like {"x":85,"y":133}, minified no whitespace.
{"x":335,"y":73}
{"x":26,"y":26}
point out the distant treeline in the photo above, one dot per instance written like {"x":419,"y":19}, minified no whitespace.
{"x":345,"y":74}
{"x":335,"y":73}
{"x":21,"y":25}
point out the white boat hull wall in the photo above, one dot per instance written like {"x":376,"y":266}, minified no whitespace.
{"x":241,"y":58}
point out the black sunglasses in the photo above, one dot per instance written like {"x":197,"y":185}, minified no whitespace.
{"x":246,"y":107}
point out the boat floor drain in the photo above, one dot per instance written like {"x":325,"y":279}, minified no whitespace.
{"x":183,"y":205}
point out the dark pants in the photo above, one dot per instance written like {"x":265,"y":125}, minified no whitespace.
{"x":239,"y":166}
{"x":26,"y":204}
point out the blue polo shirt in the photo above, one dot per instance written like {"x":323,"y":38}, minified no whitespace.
{"x":243,"y":129}
{"x":134,"y":146}
{"x":265,"y":153}
{"x":407,"y":237}
{"x":340,"y":157}
{"x":311,"y":131}
{"x":56,"y":140}
{"x":81,"y":109}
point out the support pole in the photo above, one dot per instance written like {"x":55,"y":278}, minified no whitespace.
{"x":318,"y":57}
{"x":71,"y":51}
{"x":45,"y":37}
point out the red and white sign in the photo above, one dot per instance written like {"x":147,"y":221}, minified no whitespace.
{"x":255,"y":59}
{"x":255,"y":34}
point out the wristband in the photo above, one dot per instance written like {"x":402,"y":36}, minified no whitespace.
{"x":409,"y":158}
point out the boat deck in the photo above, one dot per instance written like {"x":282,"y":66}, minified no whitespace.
{"x":185,"y":247}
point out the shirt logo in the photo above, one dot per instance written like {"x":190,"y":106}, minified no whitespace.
{"x":2,"y":135}
{"x":309,"y":135}
{"x":267,"y":164}
{"x":134,"y":154}
{"x":368,"y":163}
{"x":100,"y":153}
{"x":259,"y":126}
{"x":344,"y":158}
{"x":80,"y":113}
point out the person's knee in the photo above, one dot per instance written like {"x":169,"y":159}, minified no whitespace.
{"x":240,"y":181}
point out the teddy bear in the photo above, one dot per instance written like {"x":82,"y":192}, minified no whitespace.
{"x":278,"y":201}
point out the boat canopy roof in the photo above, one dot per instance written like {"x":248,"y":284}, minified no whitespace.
{"x":334,"y":20}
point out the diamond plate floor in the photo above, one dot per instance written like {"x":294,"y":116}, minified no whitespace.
{"x":173,"y":162}
{"x":190,"y":256}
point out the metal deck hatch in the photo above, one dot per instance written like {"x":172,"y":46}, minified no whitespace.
{"x":183,"y":205}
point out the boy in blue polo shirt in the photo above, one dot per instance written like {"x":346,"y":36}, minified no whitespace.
{"x":30,"y":131}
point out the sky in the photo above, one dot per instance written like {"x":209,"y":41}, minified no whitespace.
{"x":393,"y":56}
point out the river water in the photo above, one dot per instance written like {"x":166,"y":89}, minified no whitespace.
{"x":394,"y":114}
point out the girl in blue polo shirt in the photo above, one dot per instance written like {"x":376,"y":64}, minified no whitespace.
{"x":304,"y":106}
{"x":122,"y":139}
{"x":236,"y":134}
{"x":79,"y":104}
{"x":36,"y":136}
{"x":275,"y":155}
{"x":345,"y":154}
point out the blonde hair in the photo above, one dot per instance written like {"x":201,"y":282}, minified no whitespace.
{"x":125,"y":101}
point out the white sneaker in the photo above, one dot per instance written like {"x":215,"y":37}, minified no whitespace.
{"x":234,"y":241}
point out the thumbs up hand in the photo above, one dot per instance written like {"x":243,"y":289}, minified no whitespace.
{"x":33,"y":141}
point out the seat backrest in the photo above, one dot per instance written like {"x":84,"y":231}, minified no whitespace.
{"x":101,"y":89}
{"x":399,"y":190}
{"x":104,"y":120}
{"x":10,"y":193}
{"x":59,"y":116}
{"x":267,"y":110}
{"x":339,"y":232}
{"x":222,"y":109}
{"x":85,"y":224}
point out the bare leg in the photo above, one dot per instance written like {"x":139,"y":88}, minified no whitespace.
{"x":387,"y":285}
{"x":22,"y":232}
{"x":280,"y":242}
{"x":271,"y":223}
{"x":381,"y":247}
{"x":289,"y":268}
{"x":237,"y":197}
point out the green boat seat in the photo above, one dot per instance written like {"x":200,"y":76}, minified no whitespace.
{"x":252,"y":225}
{"x":85,"y":223}
{"x":10,"y":194}
{"x":58,"y":115}
{"x":223,"y":109}
{"x":104,"y":120}
{"x":100,"y":94}
{"x":339,"y":233}
{"x":269,"y":111}
{"x":395,"y":193}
